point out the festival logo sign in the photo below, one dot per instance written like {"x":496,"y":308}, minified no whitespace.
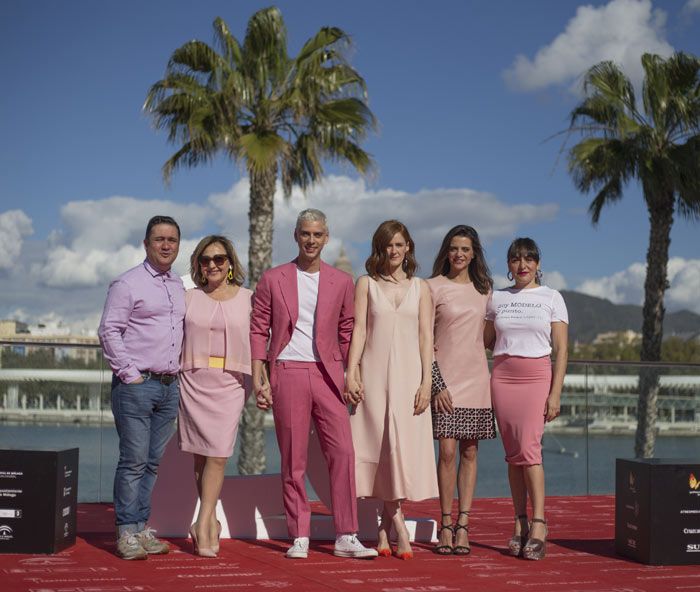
{"x":694,"y":484}
{"x":6,"y":532}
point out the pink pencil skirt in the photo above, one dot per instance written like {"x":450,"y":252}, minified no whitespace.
{"x":519,"y":391}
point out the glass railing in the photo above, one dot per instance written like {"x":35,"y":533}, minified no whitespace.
{"x":57,"y":395}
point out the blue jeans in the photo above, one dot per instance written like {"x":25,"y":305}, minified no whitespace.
{"x":144,"y":415}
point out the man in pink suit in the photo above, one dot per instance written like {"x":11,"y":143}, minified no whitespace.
{"x":301,"y":326}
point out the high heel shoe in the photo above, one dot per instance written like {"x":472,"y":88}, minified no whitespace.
{"x":445,"y":549}
{"x":462,"y":549}
{"x":384,"y":551}
{"x":517,"y":541}
{"x":201,"y":551}
{"x":406,"y":555}
{"x":216,"y":546}
{"x":534,"y":549}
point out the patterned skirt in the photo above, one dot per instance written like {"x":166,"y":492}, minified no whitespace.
{"x":464,"y":423}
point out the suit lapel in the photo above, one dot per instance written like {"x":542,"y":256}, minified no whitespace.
{"x":288,"y":287}
{"x":325,"y":290}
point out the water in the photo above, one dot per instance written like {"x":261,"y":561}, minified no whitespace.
{"x":587,"y":466}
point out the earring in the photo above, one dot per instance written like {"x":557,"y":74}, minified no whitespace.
{"x":509,"y":275}
{"x":229,"y":275}
{"x":538,"y":276}
{"x":203,"y":281}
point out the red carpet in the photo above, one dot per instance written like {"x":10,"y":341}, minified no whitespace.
{"x":580,"y":558}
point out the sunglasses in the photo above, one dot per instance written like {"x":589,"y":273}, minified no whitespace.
{"x":218,"y":260}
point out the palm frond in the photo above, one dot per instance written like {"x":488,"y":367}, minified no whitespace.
{"x":610,"y":193}
{"x":262,"y":151}
{"x":195,"y":56}
{"x":686,"y":160}
{"x":227,"y":43}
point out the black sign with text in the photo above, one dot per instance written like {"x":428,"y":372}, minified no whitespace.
{"x":657,"y":510}
{"x":38,"y":500}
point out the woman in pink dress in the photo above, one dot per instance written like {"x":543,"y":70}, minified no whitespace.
{"x":214,"y":366}
{"x":460,"y":286}
{"x":525,"y":323}
{"x":388,"y":381}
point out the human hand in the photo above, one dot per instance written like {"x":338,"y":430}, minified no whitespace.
{"x":354,"y":391}
{"x":552,"y":408}
{"x":442,"y":402}
{"x":422,"y":399}
{"x":263,"y":396}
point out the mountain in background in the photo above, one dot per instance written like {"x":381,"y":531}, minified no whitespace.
{"x":589,"y":316}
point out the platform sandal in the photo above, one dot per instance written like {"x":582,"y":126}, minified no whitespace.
{"x":518,"y":541}
{"x":534,"y":549}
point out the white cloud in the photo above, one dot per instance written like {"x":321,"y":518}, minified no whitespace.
{"x":692,"y":6}
{"x":14,"y":226}
{"x":100,"y":239}
{"x":554,"y":280}
{"x":354,"y":211}
{"x":627,"y":286}
{"x":96,"y":240}
{"x":621,"y":31}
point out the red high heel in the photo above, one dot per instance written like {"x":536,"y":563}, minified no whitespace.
{"x":406,"y":555}
{"x":384,"y":551}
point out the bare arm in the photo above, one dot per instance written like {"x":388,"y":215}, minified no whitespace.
{"x":354,"y":392}
{"x":560,"y":341}
{"x":425,"y":342}
{"x":489,"y":335}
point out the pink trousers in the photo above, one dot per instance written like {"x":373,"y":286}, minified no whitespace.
{"x":301,"y":391}
{"x":519,"y":391}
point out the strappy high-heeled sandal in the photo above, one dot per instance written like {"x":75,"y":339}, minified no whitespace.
{"x":534,"y":549}
{"x":462,"y":549}
{"x":445,"y":549}
{"x":518,"y":541}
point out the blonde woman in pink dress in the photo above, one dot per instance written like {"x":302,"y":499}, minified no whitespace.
{"x":526,"y":323}
{"x":460,"y":287}
{"x":388,"y":382}
{"x":214,"y":366}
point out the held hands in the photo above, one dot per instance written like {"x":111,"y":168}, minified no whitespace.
{"x":354,"y":391}
{"x":263,"y":396}
{"x":552,"y":407}
{"x":422,"y":399}
{"x":442,"y":402}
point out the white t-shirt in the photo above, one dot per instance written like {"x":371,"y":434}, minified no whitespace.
{"x":301,"y":347}
{"x":523,"y":320}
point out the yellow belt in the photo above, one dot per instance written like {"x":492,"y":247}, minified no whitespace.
{"x":216,"y":362}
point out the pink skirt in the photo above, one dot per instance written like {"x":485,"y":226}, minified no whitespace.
{"x":519,"y":391}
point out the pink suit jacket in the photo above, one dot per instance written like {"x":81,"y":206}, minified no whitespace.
{"x":276,"y":310}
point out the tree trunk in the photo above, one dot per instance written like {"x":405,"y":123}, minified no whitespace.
{"x":661,"y":221}
{"x":260,"y":218}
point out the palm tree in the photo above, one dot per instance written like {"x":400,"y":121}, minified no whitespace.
{"x":658,"y":144}
{"x":280,"y":116}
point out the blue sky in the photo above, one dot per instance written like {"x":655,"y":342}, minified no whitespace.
{"x":466,"y":94}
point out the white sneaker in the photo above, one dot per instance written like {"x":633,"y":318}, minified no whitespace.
{"x":347,"y":545}
{"x":300,"y":548}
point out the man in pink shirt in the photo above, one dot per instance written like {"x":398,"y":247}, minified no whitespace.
{"x":301,"y":325}
{"x":141,"y":336}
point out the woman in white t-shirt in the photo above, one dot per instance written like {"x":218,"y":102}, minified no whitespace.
{"x":525,"y":323}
